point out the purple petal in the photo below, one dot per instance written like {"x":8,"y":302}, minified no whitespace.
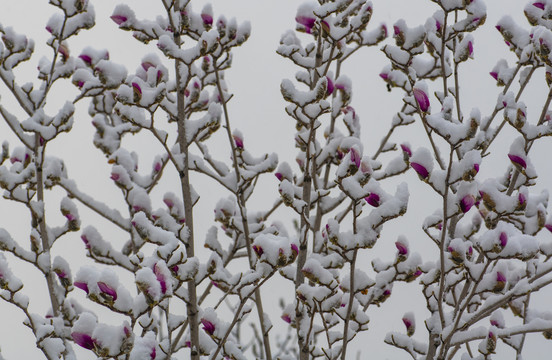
{"x":294,"y":249}
{"x":86,"y":58}
{"x":420,"y":169}
{"x":238,"y":141}
{"x":137,"y":89}
{"x":106,"y":289}
{"x":476,"y":167}
{"x":119,"y":19}
{"x":258,"y":250}
{"x":146,"y":65}
{"x":548,"y":227}
{"x":522,"y":200}
{"x":355,"y":156}
{"x":207,"y":19}
{"x":306,"y":21}
{"x":208,"y":326}
{"x":403,"y":249}
{"x":500,"y":277}
{"x":396,"y":30}
{"x":286,"y":318}
{"x":466,"y":203}
{"x":81,"y":285}
{"x":503,"y":239}
{"x":83,"y":340}
{"x":406,"y":150}
{"x":518,"y":161}
{"x":373,"y":199}
{"x":384,"y":76}
{"x":330,"y":88}
{"x":421,"y":99}
{"x":539,"y":5}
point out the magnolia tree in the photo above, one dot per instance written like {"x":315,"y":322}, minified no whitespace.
{"x":187,"y":302}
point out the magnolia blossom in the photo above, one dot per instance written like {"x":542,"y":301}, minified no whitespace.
{"x":83,"y":340}
{"x":373,"y":199}
{"x":421,"y":98}
{"x":518,"y":161}
{"x":107,"y":290}
{"x":208,"y":326}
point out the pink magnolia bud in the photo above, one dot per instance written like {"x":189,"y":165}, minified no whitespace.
{"x":286,"y":318}
{"x":355,"y":156}
{"x":409,"y":323}
{"x":146,"y":65}
{"x":83,"y":340}
{"x":119,"y":19}
{"x":494,"y":74}
{"x":258,"y":250}
{"x":420,"y":169}
{"x":373,"y":199}
{"x":406,"y":150}
{"x":107,"y":290}
{"x":208,"y":326}
{"x":518,"y":161}
{"x":421,"y":99}
{"x":539,"y":5}
{"x":330,"y":87}
{"x":402,"y":248}
{"x":82,"y":286}
{"x":306,"y":21}
{"x":500,"y":282}
{"x":466,"y":203}
{"x":137,"y":91}
{"x":63,"y":51}
{"x":86,"y":59}
{"x":503,"y":239}
{"x":238,"y":141}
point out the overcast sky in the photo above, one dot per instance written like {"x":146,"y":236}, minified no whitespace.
{"x":258,"y":111}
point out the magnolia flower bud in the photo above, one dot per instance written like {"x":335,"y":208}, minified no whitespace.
{"x":421,"y":98}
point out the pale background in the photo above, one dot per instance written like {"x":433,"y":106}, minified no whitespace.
{"x":257,"y":110}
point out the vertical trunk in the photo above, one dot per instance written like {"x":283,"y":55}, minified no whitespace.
{"x":43,"y":229}
{"x":192,"y":309}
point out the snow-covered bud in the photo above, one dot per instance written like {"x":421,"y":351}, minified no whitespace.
{"x":63,"y":51}
{"x":407,"y":152}
{"x":373,"y":199}
{"x":466,"y":203}
{"x":208,"y":326}
{"x":330,"y":86}
{"x":82,"y":285}
{"x":137,"y":90}
{"x":421,"y":98}
{"x":258,"y":250}
{"x":522,"y":202}
{"x":398,"y":35}
{"x":238,"y":140}
{"x":500,"y":282}
{"x":305,"y":18}
{"x":107,"y":291}
{"x":503,"y":239}
{"x":84,"y":340}
{"x":402,"y":248}
{"x":409,"y":323}
{"x":497,"y":320}
{"x":207,"y":16}
{"x":518,"y":161}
